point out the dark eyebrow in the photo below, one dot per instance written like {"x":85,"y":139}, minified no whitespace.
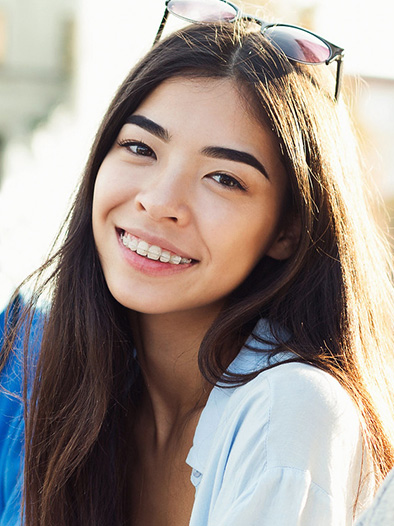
{"x":149,"y":126}
{"x":219,"y":152}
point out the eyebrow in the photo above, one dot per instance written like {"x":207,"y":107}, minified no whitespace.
{"x":238,"y":156}
{"x":150,"y":126}
{"x":216,"y":152}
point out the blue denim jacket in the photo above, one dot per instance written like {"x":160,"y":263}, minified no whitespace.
{"x":12,"y":425}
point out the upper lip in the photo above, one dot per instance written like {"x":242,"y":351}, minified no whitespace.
{"x":153,"y":239}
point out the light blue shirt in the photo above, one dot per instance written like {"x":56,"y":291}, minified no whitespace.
{"x":283,"y":450}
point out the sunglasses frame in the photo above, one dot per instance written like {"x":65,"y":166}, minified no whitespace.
{"x":336,"y":53}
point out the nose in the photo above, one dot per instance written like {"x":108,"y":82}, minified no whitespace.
{"x":165,"y":197}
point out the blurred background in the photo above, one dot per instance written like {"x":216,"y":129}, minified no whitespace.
{"x":62,"y":60}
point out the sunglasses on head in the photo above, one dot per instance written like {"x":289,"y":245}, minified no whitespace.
{"x":297,"y":43}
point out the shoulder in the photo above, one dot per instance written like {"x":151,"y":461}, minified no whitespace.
{"x":11,"y":376}
{"x":297,"y":392}
{"x":297,"y":389}
{"x":288,"y":446}
{"x":304,"y":420}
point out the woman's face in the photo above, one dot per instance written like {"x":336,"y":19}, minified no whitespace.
{"x":188,"y":199}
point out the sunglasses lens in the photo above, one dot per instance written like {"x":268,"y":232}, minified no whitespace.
{"x":203,"y":10}
{"x":298,"y":44}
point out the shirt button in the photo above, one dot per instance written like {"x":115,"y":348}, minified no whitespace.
{"x":196,"y":474}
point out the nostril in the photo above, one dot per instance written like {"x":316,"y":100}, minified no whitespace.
{"x":140,"y":206}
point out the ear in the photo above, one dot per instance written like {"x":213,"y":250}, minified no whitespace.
{"x":287,"y":240}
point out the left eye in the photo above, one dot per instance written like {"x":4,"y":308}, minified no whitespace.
{"x":227,"y":180}
{"x":138,"y":148}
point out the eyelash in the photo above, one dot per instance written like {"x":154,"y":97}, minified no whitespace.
{"x":139,"y":144}
{"x":234,"y":184}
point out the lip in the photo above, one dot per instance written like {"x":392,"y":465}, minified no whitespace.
{"x":148,"y":266}
{"x":156,"y":240}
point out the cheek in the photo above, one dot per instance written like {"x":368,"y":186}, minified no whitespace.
{"x":238,"y":241}
{"x":108,"y":192}
{"x":100,"y":203}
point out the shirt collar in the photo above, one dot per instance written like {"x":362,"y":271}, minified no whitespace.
{"x":247,"y":361}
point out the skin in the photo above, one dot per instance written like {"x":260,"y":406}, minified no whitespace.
{"x":163,"y":183}
{"x":173,"y":194}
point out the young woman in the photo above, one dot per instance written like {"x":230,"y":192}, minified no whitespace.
{"x":218,"y":337}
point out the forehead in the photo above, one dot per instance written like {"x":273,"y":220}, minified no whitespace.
{"x":216,"y":109}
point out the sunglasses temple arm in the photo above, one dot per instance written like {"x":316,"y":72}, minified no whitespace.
{"x":338,"y":82}
{"x":161,"y":26}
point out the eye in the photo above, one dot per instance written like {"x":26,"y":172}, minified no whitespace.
{"x":138,"y":148}
{"x":228,"y":181}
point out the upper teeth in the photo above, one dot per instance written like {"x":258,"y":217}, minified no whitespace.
{"x":151,"y":251}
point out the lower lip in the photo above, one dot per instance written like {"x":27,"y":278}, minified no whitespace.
{"x":150,"y":266}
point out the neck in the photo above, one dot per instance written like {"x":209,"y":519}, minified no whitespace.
{"x":168,"y":354}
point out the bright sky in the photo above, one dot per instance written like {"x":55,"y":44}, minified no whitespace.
{"x":365,"y":29}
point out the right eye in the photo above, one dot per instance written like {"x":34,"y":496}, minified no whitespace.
{"x":138,"y":148}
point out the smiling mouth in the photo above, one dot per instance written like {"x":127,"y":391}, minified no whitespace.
{"x":144,"y":249}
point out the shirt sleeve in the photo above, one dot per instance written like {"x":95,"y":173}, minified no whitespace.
{"x":291,"y":454}
{"x":281,"y":497}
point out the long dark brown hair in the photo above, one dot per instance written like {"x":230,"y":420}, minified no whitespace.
{"x":333,"y":296}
